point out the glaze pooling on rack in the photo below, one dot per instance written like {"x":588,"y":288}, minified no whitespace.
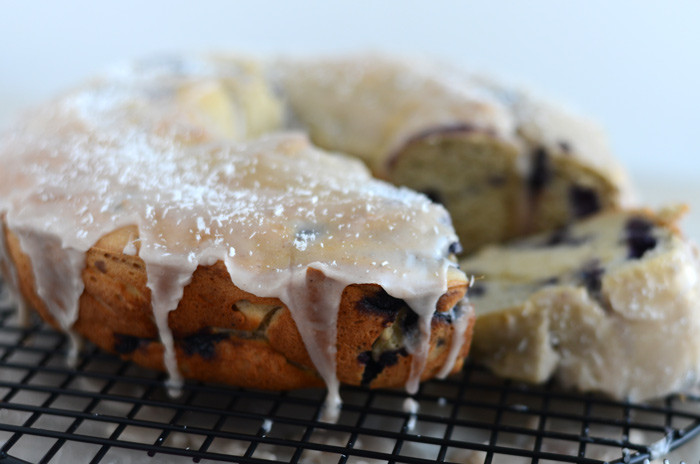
{"x":288,"y":220}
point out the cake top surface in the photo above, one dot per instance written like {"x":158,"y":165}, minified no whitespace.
{"x":136,"y":149}
{"x":192,"y":152}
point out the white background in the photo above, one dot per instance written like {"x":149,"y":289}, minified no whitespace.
{"x":633,"y":65}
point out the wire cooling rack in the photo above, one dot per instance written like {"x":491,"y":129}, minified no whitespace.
{"x":110,"y":411}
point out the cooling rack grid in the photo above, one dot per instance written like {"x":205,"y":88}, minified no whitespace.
{"x":107,"y":410}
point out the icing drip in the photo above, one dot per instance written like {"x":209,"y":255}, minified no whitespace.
{"x":288,"y":220}
{"x":59,"y":284}
{"x":411,"y":407}
{"x":424,"y":306}
{"x":311,"y":294}
{"x":267,"y":425}
{"x":12,"y":293}
{"x":75,"y":345}
{"x":460,"y":321}
{"x":167,"y":285}
{"x":419,"y":349}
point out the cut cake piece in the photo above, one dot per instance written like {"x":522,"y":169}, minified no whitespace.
{"x":609,"y":304}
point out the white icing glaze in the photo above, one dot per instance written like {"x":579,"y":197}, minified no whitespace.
{"x":418,"y":348}
{"x":411,"y":407}
{"x":75,"y":345}
{"x":7,"y":268}
{"x":167,"y":285}
{"x":462,"y":314}
{"x":59,"y":285}
{"x":267,"y":425}
{"x":132,"y":150}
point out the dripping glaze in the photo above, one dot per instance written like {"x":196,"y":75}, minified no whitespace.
{"x":157,"y":149}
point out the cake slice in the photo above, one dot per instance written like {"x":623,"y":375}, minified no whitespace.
{"x":610,"y":304}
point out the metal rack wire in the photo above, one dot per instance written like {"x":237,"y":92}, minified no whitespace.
{"x":108,"y":410}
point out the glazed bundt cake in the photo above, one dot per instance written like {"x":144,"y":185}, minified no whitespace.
{"x":171,"y":211}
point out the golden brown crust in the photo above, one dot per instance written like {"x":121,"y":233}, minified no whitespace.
{"x":225,"y":334}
